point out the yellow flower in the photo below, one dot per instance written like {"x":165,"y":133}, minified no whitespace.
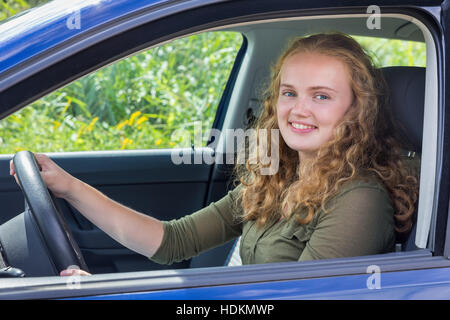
{"x":158,"y":142}
{"x":122,"y":124}
{"x":126,"y":142}
{"x":91,"y":125}
{"x":133,"y":116}
{"x":141,"y":120}
{"x":56,"y":124}
{"x":69,"y":101}
{"x":79,"y":133}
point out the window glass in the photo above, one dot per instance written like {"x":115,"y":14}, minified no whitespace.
{"x":389,"y":52}
{"x":136,"y":103}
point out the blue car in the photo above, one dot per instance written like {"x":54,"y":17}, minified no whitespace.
{"x":58,"y":50}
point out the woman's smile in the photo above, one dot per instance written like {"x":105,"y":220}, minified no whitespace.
{"x":300,"y":127}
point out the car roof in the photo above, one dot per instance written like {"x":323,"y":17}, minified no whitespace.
{"x":34,"y":31}
{"x":37,"y":30}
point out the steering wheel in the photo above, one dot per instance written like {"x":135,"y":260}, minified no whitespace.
{"x":59,"y":241}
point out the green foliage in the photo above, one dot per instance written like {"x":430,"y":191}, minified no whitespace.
{"x":387,"y":52}
{"x":137,"y":103}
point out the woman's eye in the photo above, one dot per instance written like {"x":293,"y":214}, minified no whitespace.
{"x":321,"y":97}
{"x":289,"y":94}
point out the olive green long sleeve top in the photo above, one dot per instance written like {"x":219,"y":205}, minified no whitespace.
{"x":359,"y":221}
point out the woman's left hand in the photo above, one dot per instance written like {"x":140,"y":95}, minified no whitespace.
{"x":74,"y":272}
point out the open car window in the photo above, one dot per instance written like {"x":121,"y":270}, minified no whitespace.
{"x":394,"y":52}
{"x":139,"y":102}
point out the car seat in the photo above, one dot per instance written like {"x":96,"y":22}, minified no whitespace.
{"x":407,"y":89}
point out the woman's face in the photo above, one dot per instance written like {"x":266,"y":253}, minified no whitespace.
{"x":315,"y":93}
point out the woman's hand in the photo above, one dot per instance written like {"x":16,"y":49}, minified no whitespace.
{"x":74,"y":272}
{"x":57,"y":180}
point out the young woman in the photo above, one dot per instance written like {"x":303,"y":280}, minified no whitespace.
{"x":340,"y":190}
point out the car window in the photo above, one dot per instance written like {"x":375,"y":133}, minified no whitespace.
{"x":393,"y":52}
{"x":136,"y":103}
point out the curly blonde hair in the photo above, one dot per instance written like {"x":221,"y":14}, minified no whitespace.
{"x":363,"y":143}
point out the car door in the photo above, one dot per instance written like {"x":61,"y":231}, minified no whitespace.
{"x":135,"y":130}
{"x":268,"y":275}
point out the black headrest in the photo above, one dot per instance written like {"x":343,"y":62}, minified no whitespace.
{"x":407,"y":90}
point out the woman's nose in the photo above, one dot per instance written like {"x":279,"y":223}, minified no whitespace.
{"x":301,"y":106}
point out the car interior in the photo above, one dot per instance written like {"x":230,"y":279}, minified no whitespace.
{"x":407,"y":85}
{"x":414,"y":98}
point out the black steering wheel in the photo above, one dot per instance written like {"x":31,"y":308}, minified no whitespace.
{"x":59,"y":241}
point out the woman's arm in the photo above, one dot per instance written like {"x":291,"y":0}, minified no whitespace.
{"x":132,"y":229}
